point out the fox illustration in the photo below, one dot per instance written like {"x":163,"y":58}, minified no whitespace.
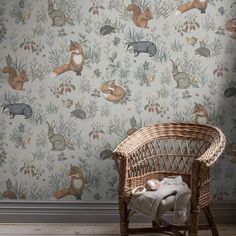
{"x":13,"y":195}
{"x":112,"y":92}
{"x":231,"y":28}
{"x":140,"y":19}
{"x":76,"y":63}
{"x":16,"y":81}
{"x":77,"y":183}
{"x":201,"y":114}
{"x":199,"y":4}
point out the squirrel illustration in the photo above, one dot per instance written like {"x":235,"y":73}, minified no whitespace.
{"x":16,"y":81}
{"x":199,"y":4}
{"x":112,"y":92}
{"x":231,"y":28}
{"x":140,"y":19}
{"x":77,"y":183}
{"x":76,"y":62}
{"x":201,"y":114}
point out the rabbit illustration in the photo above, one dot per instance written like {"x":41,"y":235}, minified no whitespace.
{"x":182,"y":78}
{"x":58,"y":17}
{"x":58,"y":141}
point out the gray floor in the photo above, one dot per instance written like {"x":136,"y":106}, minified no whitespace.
{"x":84,"y":229}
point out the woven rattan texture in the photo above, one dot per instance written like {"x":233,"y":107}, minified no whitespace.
{"x":168,"y":149}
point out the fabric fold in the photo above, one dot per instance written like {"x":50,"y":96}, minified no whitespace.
{"x":172,"y":193}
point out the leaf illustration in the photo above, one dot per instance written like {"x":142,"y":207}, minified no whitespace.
{"x":9,"y":60}
{"x":9,"y":185}
{"x":77,"y":105}
{"x":195,"y":85}
{"x":133,"y":122}
{"x":72,"y":86}
{"x":214,"y":71}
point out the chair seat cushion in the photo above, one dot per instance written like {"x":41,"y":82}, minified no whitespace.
{"x":173,"y":194}
{"x":165,"y":206}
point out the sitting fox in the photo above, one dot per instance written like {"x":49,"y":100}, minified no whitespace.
{"x":201,"y":114}
{"x":76,"y":62}
{"x":77,"y":183}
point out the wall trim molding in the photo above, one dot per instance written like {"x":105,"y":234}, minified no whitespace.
{"x":21,"y":211}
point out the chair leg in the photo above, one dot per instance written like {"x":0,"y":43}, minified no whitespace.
{"x":154,"y":224}
{"x":194,"y":223}
{"x":211,"y":221}
{"x":124,"y":219}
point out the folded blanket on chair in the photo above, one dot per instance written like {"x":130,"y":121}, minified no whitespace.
{"x":149,"y":203}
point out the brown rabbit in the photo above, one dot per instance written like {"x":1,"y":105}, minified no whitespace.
{"x":76,"y":62}
{"x":16,"y":81}
{"x":77,"y":183}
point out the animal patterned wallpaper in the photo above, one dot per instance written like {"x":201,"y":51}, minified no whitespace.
{"x":77,"y":77}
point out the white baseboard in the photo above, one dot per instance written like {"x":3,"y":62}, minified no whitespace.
{"x":86,"y":212}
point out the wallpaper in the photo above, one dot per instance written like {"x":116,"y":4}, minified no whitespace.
{"x":78,"y":77}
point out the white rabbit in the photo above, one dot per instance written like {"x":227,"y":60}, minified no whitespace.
{"x":58,"y":17}
{"x":182,"y":78}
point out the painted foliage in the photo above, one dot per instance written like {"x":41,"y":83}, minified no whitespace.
{"x":77,"y":77}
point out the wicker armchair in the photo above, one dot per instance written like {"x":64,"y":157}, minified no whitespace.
{"x":161,"y":150}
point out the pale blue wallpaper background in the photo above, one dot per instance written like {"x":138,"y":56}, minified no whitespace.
{"x":55,"y":128}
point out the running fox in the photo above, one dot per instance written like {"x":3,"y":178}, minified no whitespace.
{"x":199,"y":4}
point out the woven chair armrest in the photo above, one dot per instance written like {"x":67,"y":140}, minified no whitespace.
{"x":200,"y":172}
{"x":214,"y":151}
{"x":201,"y":166}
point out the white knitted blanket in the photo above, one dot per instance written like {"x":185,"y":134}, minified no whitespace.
{"x":149,"y":202}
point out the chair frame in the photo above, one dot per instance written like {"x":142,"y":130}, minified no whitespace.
{"x":197,"y":178}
